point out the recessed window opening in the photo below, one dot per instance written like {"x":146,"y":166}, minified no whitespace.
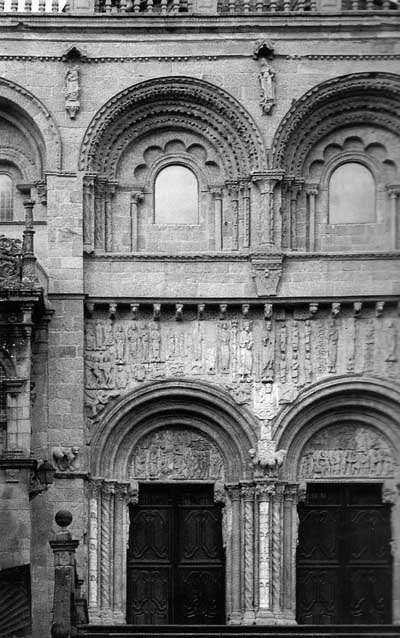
{"x":6,"y":198}
{"x":176,"y":196}
{"x":351,"y":195}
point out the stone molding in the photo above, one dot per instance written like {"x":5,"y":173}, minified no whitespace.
{"x":337,"y":102}
{"x":143,"y":106}
{"x":40,"y":118}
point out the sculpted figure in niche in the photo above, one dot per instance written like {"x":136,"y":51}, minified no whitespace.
{"x":225,"y":352}
{"x":246,"y":352}
{"x":133,"y":341}
{"x":155,"y":341}
{"x":90,"y":336}
{"x":333,"y":337}
{"x":72,"y":91}
{"x":99,"y":334}
{"x":267,"y":375}
{"x":266,"y":79}
{"x":120,"y":343}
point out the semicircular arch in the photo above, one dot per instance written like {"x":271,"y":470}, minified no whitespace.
{"x":358,"y":401}
{"x":35,"y":119}
{"x":181,"y":102}
{"x":361,"y":98}
{"x":182,"y":403}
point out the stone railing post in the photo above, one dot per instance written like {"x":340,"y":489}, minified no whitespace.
{"x":64,"y":578}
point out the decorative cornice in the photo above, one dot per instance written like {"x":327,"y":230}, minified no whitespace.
{"x":193,"y":57}
{"x":216,"y":257}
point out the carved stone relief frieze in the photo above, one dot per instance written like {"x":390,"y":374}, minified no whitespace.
{"x":261,"y":360}
{"x":176,"y":453}
{"x":348,"y":451}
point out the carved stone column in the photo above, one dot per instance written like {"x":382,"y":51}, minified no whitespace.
{"x":88,"y":212}
{"x":99,"y":215}
{"x":277,"y":525}
{"x":276,"y":553}
{"x":264,"y":492}
{"x":394,"y":192}
{"x":136,"y":198}
{"x":294,"y":194}
{"x":109,"y":226}
{"x":312,"y":192}
{"x":245,"y":188}
{"x":29,"y":259}
{"x":248,"y":551}
{"x":217,"y":193}
{"x":290,"y":534}
{"x":94,"y":493}
{"x":235,"y":555}
{"x":106,"y":583}
{"x":234,"y":192}
{"x":119,"y":552}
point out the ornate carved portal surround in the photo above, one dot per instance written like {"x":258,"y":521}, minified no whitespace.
{"x":194,"y":432}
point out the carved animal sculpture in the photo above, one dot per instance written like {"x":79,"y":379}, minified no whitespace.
{"x":64,"y":458}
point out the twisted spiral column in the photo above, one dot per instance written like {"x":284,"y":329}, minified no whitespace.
{"x":94,"y":496}
{"x":277,"y":525}
{"x":108,"y":489}
{"x":248,"y":507}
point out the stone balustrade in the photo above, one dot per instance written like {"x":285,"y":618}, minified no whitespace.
{"x":179,"y":8}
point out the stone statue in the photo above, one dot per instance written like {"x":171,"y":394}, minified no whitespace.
{"x":266,"y":79}
{"x":65,"y":458}
{"x":72,"y":91}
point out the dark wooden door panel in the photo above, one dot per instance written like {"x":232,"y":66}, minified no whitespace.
{"x":317,"y":595}
{"x":199,"y":534}
{"x":368,"y":589}
{"x":175,"y":557}
{"x":149,"y":596}
{"x":344,"y":569}
{"x":199,"y":595}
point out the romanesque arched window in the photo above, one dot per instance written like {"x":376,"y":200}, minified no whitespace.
{"x":176,"y":196}
{"x":6,"y":197}
{"x":351,"y":194}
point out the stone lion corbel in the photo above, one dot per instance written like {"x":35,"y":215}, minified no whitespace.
{"x":65,"y":458}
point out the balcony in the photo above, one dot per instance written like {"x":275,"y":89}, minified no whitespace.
{"x":182,"y":8}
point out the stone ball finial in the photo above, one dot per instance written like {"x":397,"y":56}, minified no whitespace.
{"x":63,"y":518}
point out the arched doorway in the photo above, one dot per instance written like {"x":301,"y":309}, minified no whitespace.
{"x":343,"y":444}
{"x":170,"y":460}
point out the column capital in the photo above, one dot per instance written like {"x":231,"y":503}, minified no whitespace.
{"x":247,"y":491}
{"x":311,"y":189}
{"x":393,"y":190}
{"x":265,"y":489}
{"x":233,"y":490}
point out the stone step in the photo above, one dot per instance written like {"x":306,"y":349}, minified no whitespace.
{"x":253,"y":631}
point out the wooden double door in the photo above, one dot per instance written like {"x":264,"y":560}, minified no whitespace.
{"x":176,"y":569}
{"x":344,"y":567}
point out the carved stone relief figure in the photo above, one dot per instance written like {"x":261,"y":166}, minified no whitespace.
{"x":72,"y":91}
{"x":268,"y":353}
{"x":283,"y":352}
{"x":266,"y":80}
{"x":333,"y":336}
{"x":391,"y":347}
{"x":224,"y":338}
{"x":369,"y":346}
{"x":347,"y":451}
{"x":176,"y":454}
{"x":295,"y":353}
{"x":307,"y":352}
{"x":246,"y":352}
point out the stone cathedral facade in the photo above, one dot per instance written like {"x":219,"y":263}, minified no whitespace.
{"x":200,"y":309}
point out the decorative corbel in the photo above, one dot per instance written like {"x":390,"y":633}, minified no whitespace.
{"x":379,"y":306}
{"x":156,"y":311}
{"x":112,"y":310}
{"x":179,"y":311}
{"x":266,"y":272}
{"x":134,"y":310}
{"x":200,"y":311}
{"x":222,"y":310}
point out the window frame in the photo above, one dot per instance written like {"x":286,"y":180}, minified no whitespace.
{"x":155,"y":177}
